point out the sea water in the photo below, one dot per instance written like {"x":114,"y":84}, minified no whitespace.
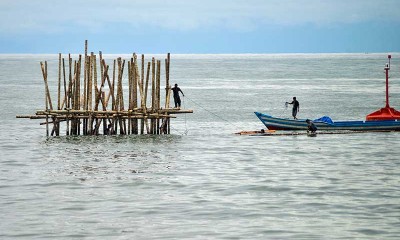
{"x":202,"y":181}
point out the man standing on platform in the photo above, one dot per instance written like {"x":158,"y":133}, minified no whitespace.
{"x":177,"y":99}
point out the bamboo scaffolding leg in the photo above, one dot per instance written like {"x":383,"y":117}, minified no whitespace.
{"x":110,"y":127}
{"x":114,"y":126}
{"x":90,"y":94}
{"x":167,"y":88}
{"x":65,"y":84}
{"x":74,"y":122}
{"x":96,"y":90}
{"x":57,"y":122}
{"x":135,"y":81}
{"x":105,"y":128}
{"x":153,"y":94}
{"x":129,"y":94}
{"x":59,"y":83}
{"x":44,"y":71}
{"x":141,"y":89}
{"x":85,"y":91}
{"x":166,"y":120}
{"x":46,"y":98}
{"x":136,"y":77}
{"x":144,"y":109}
{"x":69,"y":90}
{"x":120,"y":98}
{"x":158,"y":100}
{"x":117,"y":101}
{"x":78,"y":93}
{"x":65,"y":95}
{"x":76,"y":96}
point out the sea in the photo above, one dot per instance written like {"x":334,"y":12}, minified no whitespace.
{"x":203,"y":181}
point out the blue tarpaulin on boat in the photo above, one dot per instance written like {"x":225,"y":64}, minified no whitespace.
{"x":325,"y":119}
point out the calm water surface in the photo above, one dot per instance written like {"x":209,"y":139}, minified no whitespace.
{"x":202,"y":181}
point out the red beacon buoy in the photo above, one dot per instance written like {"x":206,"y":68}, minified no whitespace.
{"x":386,"y":113}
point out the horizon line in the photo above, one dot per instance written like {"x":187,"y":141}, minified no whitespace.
{"x":244,"y":53}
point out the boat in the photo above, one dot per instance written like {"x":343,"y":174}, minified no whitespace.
{"x":274,"y":123}
{"x":384,"y":119}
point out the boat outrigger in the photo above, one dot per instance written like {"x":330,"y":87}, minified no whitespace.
{"x":384,"y":119}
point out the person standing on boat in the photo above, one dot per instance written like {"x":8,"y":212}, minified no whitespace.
{"x":296,"y":107}
{"x":311,"y":128}
{"x":177,"y":99}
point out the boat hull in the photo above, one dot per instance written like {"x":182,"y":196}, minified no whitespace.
{"x":274,"y":123}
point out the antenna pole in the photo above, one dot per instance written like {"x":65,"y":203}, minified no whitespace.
{"x":387,"y":68}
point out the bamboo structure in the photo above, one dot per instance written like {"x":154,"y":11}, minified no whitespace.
{"x":101,"y":104}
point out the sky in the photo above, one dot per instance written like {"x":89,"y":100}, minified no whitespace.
{"x":200,"y":26}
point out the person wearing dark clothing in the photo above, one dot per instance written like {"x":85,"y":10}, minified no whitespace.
{"x":296,"y":107}
{"x":311,"y":128}
{"x":177,"y":99}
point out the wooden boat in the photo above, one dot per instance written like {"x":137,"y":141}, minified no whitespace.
{"x":385,"y":119}
{"x":274,"y":123}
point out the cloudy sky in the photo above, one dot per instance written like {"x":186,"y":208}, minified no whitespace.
{"x":200,"y":26}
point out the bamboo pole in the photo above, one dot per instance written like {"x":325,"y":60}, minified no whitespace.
{"x":72,"y":93}
{"x":73,"y":98}
{"x":69,"y":92}
{"x":168,"y":89}
{"x":90,"y":93}
{"x":96,"y":90}
{"x":78,"y":92}
{"x":98,"y":94}
{"x":145,"y":97}
{"x":120,"y":98}
{"x":86,"y":73}
{"x":46,"y":97}
{"x":153,"y":93}
{"x":103,"y":95}
{"x":59,"y":83}
{"x":103,"y":116}
{"x":95,"y":86}
{"x":110,"y":128}
{"x":167,"y":74}
{"x":90,"y":81}
{"x":85,"y":95}
{"x":158,"y":79}
{"x":56,"y":123}
{"x":44,"y":72}
{"x":167,"y":100}
{"x":141,"y":89}
{"x":65,"y":84}
{"x":85,"y":76}
{"x":129,"y":93}
{"x":142,"y":95}
{"x":65,"y":91}
{"x":117,"y":101}
{"x":113,"y":99}
{"x":135,"y":91}
{"x":124,"y":112}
